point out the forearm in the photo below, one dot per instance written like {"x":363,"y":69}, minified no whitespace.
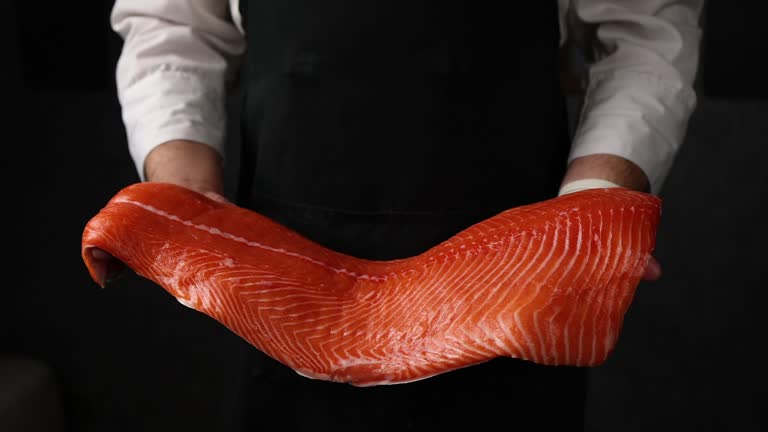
{"x":173,"y":70}
{"x":642,"y":59}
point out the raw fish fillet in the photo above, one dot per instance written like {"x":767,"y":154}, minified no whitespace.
{"x":548,"y":282}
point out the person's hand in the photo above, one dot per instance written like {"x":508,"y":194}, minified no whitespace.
{"x":189,"y":164}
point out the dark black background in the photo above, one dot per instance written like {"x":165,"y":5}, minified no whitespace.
{"x":131,"y":358}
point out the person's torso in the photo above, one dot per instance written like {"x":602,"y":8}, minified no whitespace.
{"x":380,"y":128}
{"x":381,"y":107}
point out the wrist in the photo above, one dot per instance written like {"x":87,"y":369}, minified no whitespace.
{"x":190,"y":164}
{"x":604,"y":170}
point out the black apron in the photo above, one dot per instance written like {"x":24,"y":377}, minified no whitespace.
{"x":379,"y":129}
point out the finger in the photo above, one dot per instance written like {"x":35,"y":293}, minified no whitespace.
{"x":652,"y":270}
{"x":104,"y":267}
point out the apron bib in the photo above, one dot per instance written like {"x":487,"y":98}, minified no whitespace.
{"x":379,"y":129}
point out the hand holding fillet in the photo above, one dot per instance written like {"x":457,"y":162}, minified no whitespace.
{"x":548,"y":282}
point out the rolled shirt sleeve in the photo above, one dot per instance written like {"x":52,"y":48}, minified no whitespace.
{"x":175,"y":64}
{"x":640,"y":93}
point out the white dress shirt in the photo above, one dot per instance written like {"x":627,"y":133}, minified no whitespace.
{"x":179,"y":56}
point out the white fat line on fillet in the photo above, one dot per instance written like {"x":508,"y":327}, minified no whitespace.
{"x":360,"y":314}
{"x":318,"y":334}
{"x":351,"y":351}
{"x":326,"y":348}
{"x":605,"y":255}
{"x":299,"y":300}
{"x":288,"y":351}
{"x":495,"y":267}
{"x":476,"y":269}
{"x":467,"y":350}
{"x":305,"y":317}
{"x":573,"y":274}
{"x":264,"y":277}
{"x":448,"y":293}
{"x":267,"y":330}
{"x":471,"y":300}
{"x":211,"y":272}
{"x":535,"y":298}
{"x":544,"y":282}
{"x":525,"y":272}
{"x":290,"y":310}
{"x":506,"y":259}
{"x":253,"y":318}
{"x":613,"y":254}
{"x":349,"y":307}
{"x":235,"y":296}
{"x":235,"y":309}
{"x":218,"y":232}
{"x":567,"y":290}
{"x":586,"y":259}
{"x":618,"y":294}
{"x":314,"y":343}
{"x":489,"y":350}
{"x":520,"y":256}
{"x":617,"y":277}
{"x":428,"y":280}
{"x":469,"y":266}
{"x":338,"y":326}
{"x":275,"y":288}
{"x":602,"y":259}
{"x":441,"y":291}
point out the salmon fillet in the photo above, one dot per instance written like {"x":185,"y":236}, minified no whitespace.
{"x":548,"y":282}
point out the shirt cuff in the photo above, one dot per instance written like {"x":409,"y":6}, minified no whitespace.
{"x":584,"y":184}
{"x":170,"y":104}
{"x":636,"y":116}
